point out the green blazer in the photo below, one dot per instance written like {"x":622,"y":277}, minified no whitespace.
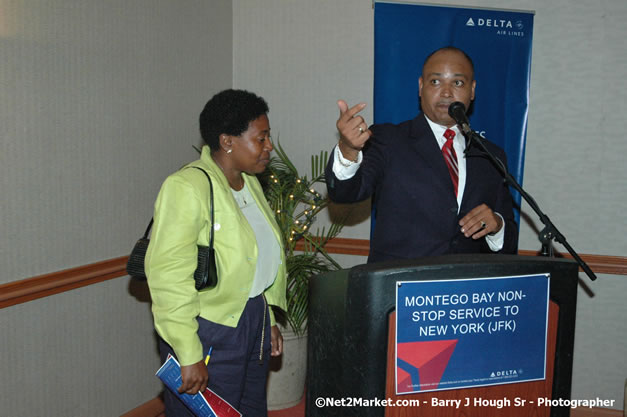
{"x":181,"y":222}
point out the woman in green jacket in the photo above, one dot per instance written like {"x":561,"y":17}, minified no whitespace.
{"x":233,"y":319}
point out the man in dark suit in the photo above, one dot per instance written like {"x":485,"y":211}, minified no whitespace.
{"x":425,"y":205}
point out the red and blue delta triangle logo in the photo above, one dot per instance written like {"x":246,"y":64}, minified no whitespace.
{"x":420,"y":365}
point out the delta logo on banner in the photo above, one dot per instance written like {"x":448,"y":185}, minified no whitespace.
{"x":505,"y":27}
{"x":499,"y":43}
{"x":470,"y":332}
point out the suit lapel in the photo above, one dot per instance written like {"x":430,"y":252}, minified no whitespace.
{"x":473,"y":177}
{"x":426,"y":146}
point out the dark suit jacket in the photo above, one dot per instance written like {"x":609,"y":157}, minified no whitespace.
{"x":416,"y":207}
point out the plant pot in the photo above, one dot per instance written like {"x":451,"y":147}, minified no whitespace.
{"x":286,"y":379}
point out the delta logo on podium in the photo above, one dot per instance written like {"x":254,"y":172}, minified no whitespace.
{"x":422,"y":364}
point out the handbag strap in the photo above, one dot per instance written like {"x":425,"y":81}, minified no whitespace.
{"x":211,"y":211}
{"x":211,"y":201}
{"x":148,"y":228}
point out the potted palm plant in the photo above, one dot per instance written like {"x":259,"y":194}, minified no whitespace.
{"x":296,"y":203}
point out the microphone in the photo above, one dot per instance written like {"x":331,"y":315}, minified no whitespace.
{"x":457,"y":111}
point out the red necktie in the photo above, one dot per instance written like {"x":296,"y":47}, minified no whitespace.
{"x":451,"y":158}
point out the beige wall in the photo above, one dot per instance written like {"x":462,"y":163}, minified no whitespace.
{"x":303,"y":55}
{"x":98,"y":103}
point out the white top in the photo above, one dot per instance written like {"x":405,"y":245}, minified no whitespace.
{"x":345,"y":169}
{"x":269,"y":251}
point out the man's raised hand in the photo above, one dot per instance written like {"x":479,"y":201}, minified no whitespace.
{"x":353,"y":129}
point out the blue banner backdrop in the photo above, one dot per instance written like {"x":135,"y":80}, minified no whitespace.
{"x":499,"y":43}
{"x":470,"y":332}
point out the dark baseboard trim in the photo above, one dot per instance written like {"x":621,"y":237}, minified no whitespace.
{"x":595,"y":412}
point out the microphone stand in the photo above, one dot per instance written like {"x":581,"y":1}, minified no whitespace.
{"x":549,"y":232}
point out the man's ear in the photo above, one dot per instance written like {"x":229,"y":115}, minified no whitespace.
{"x":420,"y":87}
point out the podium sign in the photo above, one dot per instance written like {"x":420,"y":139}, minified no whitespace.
{"x":465,"y":333}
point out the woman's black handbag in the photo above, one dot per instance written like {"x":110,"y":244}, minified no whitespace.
{"x":206,"y":274}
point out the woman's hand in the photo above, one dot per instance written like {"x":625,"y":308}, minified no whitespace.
{"x":276,"y":341}
{"x":195,"y":378}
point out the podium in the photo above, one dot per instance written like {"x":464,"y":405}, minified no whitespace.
{"x":351,"y":336}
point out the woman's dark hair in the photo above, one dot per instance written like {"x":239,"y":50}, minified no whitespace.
{"x":229,"y":111}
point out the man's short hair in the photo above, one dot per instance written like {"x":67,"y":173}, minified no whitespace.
{"x":453,"y":49}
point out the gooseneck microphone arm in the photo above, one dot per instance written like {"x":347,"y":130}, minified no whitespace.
{"x":457,"y":111}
